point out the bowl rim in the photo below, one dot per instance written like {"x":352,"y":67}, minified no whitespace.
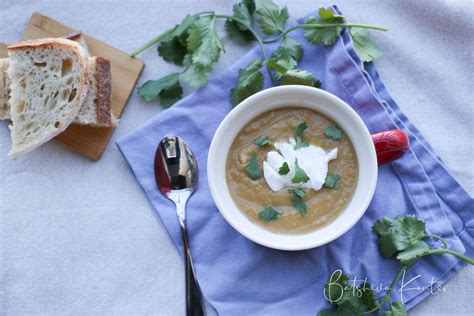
{"x":284,"y":241}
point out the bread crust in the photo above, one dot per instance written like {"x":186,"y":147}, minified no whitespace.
{"x":84,"y":83}
{"x":103,"y":81}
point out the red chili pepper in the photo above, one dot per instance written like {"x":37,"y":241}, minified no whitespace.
{"x":390,"y":145}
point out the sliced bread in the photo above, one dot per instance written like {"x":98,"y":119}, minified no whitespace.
{"x":97,"y":107}
{"x":4,"y":90}
{"x":48,"y":84}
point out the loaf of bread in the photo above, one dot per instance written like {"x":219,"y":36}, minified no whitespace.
{"x":48,"y":84}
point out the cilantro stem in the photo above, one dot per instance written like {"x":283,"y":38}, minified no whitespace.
{"x":321,"y":26}
{"x":257,"y":38}
{"x":451,"y":252}
{"x":437,"y":237}
{"x":386,"y":297}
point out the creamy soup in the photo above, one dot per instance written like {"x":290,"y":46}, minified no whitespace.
{"x":288,"y":200}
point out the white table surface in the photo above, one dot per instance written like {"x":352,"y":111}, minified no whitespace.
{"x":79,"y":237}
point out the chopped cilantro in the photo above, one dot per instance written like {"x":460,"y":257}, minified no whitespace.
{"x":332,"y":181}
{"x":284,"y":169}
{"x":297,"y":200}
{"x":269,"y":213}
{"x":262,"y":141}
{"x":333,"y":132}
{"x":300,"y":142}
{"x":300,"y":175}
{"x":253,"y":169}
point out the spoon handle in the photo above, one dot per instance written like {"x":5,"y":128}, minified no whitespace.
{"x":194,"y":306}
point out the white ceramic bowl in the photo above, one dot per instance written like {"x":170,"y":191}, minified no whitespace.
{"x":292,"y":96}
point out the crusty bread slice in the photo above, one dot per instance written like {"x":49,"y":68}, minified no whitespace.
{"x":48,"y":84}
{"x":4,"y":90}
{"x":95,"y":111}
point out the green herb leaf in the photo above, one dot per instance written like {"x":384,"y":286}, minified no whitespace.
{"x":284,"y":169}
{"x":203,"y":41}
{"x":253,"y":168}
{"x":300,"y":142}
{"x":297,"y":200}
{"x":327,"y":35}
{"x":173,"y":47}
{"x":300,"y":174}
{"x":243,"y":11}
{"x":364,"y":44}
{"x":269,"y":213}
{"x":167,"y":88}
{"x":271,"y":19}
{"x":402,"y":237}
{"x":300,"y":77}
{"x":287,"y":55}
{"x":397,"y":308}
{"x":278,"y":66}
{"x":333,"y":132}
{"x":262,"y":141}
{"x":172,"y":51}
{"x":196,"y":74}
{"x":332,"y":181}
{"x":250,"y":82}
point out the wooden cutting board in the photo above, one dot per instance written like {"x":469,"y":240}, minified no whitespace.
{"x":86,"y":140}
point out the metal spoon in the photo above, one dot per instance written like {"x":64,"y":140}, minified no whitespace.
{"x":176,"y":174}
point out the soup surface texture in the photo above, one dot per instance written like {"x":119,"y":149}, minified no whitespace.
{"x":253,"y":196}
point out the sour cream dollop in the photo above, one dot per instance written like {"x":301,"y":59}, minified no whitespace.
{"x":312,"y":159}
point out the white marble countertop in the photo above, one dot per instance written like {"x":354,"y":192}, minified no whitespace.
{"x":79,"y":237}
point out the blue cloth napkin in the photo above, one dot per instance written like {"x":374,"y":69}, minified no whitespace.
{"x":239,"y":277}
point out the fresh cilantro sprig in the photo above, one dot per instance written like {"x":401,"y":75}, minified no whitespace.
{"x":403,"y":238}
{"x":196,"y":45}
{"x":400,"y":238}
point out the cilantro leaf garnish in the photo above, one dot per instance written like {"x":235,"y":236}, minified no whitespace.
{"x":284,"y":169}
{"x":167,"y":88}
{"x":271,"y":19}
{"x":262,"y":141}
{"x":250,"y":82}
{"x":364,"y":45}
{"x":333,"y":132}
{"x":196,"y":74}
{"x":253,"y":168}
{"x":300,"y":174}
{"x":269,"y":213}
{"x":297,"y":200}
{"x":327,"y":35}
{"x":300,"y":77}
{"x":332,"y":181}
{"x":396,"y":309}
{"x":300,"y":142}
{"x":244,"y":12}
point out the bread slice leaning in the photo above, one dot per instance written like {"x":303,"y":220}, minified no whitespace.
{"x":48,"y":84}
